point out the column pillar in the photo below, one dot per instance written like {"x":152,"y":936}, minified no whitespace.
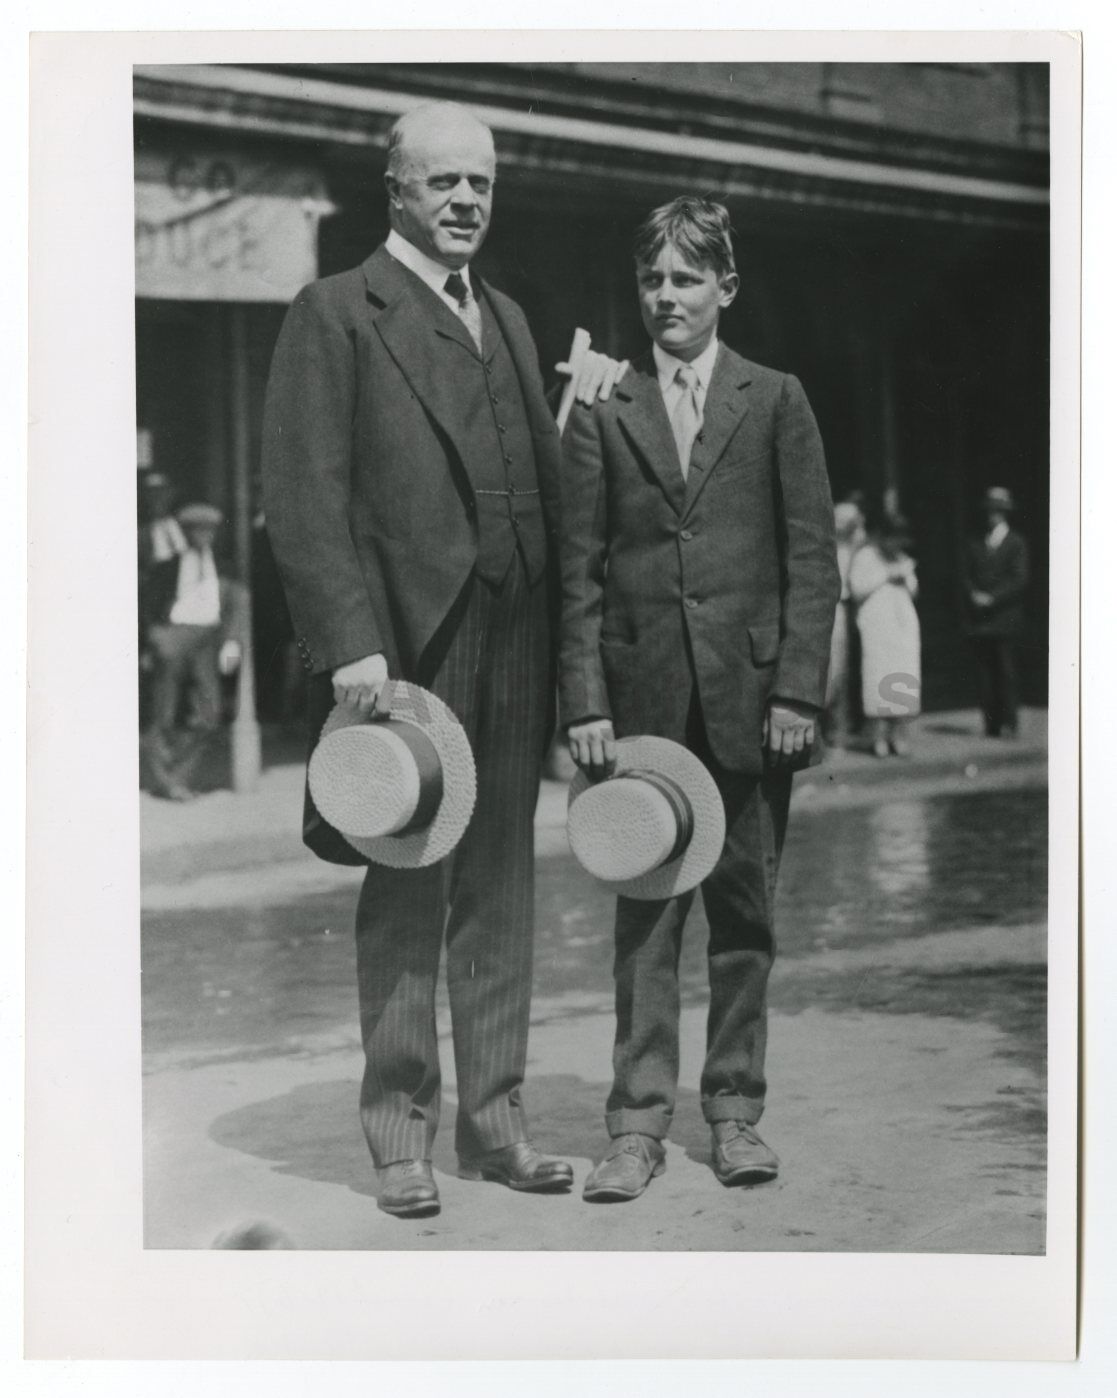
{"x":246,"y":756}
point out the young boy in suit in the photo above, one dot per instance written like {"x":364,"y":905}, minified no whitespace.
{"x":699,"y":590}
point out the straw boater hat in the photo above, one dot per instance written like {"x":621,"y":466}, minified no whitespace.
{"x":399,"y":785}
{"x":655,"y":828}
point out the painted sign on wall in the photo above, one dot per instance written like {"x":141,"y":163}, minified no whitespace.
{"x":214,"y":223}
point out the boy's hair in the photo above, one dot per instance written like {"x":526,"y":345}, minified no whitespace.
{"x":698,"y":228}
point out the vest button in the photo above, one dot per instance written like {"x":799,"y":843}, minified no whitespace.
{"x":691,"y":603}
{"x":501,"y":427}
{"x":686,"y":534}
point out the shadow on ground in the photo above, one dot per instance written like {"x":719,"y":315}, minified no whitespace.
{"x":313,"y":1132}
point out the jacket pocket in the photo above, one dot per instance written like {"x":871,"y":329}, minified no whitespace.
{"x":765,"y":643}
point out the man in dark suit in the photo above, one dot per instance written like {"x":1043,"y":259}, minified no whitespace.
{"x":699,"y":582}
{"x":997,"y":584}
{"x":411,"y":490}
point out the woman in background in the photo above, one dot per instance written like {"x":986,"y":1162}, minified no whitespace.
{"x":883,"y":586}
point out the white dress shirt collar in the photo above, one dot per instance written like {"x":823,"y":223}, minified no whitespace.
{"x":667,"y":366}
{"x":424,"y":267}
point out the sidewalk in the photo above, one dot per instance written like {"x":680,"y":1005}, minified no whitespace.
{"x":221,"y":832}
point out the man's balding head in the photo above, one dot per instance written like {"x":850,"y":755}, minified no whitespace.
{"x":441,"y":168}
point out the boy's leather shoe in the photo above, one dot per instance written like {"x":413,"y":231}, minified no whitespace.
{"x":627,"y":1168}
{"x":740,"y":1156}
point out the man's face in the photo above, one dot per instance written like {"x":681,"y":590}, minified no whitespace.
{"x":442,"y":200}
{"x":680,"y":303}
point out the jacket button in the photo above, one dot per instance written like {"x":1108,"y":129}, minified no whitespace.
{"x":686,"y":534}
{"x":691,"y":603}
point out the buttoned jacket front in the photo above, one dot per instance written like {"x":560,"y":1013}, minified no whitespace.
{"x":727,"y":581}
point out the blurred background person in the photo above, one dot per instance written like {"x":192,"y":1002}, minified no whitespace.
{"x":159,"y":538}
{"x":849,"y":527}
{"x":193,"y":619}
{"x":997,"y":584}
{"x":883,"y":588}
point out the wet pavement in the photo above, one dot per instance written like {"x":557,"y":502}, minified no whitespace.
{"x":906,"y":1058}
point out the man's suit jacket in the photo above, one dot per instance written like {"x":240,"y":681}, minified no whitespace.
{"x":1003,"y":573}
{"x":730,"y":578}
{"x":367,"y":495}
{"x":368,"y":500}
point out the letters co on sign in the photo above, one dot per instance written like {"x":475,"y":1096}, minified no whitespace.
{"x":215,"y":224}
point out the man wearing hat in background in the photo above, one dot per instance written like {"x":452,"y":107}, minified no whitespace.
{"x":699,"y":588}
{"x":411,"y":470}
{"x":192,"y":618}
{"x":997,"y":585}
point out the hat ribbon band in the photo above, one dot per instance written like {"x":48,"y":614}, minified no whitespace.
{"x":680,"y":805}
{"x":429,"y":768}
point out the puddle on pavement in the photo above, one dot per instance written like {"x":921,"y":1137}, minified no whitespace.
{"x":264,"y":975}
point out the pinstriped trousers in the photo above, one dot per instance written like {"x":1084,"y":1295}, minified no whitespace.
{"x":490,"y":662}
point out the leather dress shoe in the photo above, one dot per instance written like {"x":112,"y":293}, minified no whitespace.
{"x":740,"y":1156}
{"x":626,"y":1169}
{"x":519,"y":1166}
{"x":408,"y":1190}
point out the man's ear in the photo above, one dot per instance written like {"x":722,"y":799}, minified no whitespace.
{"x":728,"y":288}
{"x":391,"y":184}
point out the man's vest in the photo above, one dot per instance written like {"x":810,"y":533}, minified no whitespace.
{"x":498,"y":453}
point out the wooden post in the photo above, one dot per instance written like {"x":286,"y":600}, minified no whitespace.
{"x":245,"y":729}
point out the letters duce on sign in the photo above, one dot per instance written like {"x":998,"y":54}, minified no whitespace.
{"x":207,"y":241}
{"x":217,"y":225}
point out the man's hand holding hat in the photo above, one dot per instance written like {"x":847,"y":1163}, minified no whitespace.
{"x":360,"y":681}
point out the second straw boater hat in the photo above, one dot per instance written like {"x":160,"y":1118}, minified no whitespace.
{"x":400,"y":785}
{"x":653,"y":829}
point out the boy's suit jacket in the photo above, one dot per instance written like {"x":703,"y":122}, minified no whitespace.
{"x":728,"y":581}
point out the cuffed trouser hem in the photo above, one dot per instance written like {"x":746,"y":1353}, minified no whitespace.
{"x":403,"y":1159}
{"x":645,"y":1122}
{"x":747,"y":1109}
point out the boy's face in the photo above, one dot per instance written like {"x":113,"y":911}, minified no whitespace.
{"x":680,"y":303}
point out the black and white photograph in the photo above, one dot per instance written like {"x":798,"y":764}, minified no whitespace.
{"x":596,"y":619}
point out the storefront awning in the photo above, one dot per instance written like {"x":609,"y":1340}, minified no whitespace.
{"x":216,"y":224}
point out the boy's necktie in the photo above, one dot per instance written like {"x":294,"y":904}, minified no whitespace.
{"x":686,"y":416}
{"x":468,"y":308}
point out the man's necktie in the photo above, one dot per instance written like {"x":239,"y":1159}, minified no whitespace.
{"x":686,"y":416}
{"x":468,"y":308}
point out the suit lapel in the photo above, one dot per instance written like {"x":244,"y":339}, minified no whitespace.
{"x":408,"y":323}
{"x":643,"y":419}
{"x":726,"y":407}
